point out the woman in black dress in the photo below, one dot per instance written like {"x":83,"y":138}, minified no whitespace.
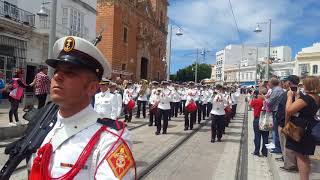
{"x":304,"y":107}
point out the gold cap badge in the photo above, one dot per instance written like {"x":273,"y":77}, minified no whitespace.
{"x":68,"y":44}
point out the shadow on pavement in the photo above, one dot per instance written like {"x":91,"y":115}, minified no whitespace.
{"x":231,"y":140}
{"x":141,"y":164}
{"x":172,"y":125}
{"x":137,"y":142}
{"x":235,"y":127}
{"x":233,"y":133}
{"x":178,"y":133}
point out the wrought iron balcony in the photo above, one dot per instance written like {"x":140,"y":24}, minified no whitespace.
{"x":14,"y":13}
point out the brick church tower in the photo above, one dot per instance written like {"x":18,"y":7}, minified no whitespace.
{"x":134,"y":37}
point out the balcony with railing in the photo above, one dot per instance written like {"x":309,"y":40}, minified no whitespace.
{"x":12,"y":12}
{"x":62,"y":30}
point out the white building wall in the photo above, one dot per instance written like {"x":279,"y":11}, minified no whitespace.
{"x":86,"y":9}
{"x":247,"y":55}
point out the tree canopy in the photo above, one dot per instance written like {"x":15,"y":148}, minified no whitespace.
{"x":188,"y":73}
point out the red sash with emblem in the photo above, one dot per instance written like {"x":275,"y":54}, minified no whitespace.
{"x":121,"y":159}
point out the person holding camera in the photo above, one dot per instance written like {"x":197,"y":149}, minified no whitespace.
{"x":302,"y":112}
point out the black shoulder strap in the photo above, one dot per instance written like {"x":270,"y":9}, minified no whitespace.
{"x":114,"y":124}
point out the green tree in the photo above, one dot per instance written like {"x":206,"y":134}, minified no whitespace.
{"x":188,"y":73}
{"x":261,"y":70}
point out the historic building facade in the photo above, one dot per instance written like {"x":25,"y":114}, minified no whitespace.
{"x":134,"y":37}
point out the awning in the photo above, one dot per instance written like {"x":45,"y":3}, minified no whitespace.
{"x":247,"y":84}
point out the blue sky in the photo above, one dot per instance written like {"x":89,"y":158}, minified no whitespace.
{"x":209,"y":24}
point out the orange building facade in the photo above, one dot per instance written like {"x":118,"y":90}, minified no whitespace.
{"x":134,"y":37}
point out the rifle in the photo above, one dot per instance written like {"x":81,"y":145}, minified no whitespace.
{"x":31,"y":141}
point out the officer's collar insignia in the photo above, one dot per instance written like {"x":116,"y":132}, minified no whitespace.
{"x":121,"y":160}
{"x":68,"y":44}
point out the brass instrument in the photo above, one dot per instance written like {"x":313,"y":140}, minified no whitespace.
{"x":144,"y":87}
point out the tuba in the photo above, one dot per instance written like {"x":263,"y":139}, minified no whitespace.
{"x":144,"y":87}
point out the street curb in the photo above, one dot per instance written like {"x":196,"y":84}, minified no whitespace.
{"x":242,"y":163}
{"x":169,"y":151}
{"x":12,"y":132}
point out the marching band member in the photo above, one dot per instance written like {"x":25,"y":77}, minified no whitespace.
{"x":176,"y":98}
{"x":113,"y":88}
{"x":129,"y":95}
{"x":106,"y":103}
{"x":191,"y":97}
{"x":217,"y":114}
{"x":210,"y":96}
{"x":153,"y":103}
{"x":234,"y":98}
{"x":183,"y":94}
{"x":143,"y":91}
{"x":198,"y":102}
{"x":204,"y":99}
{"x":164,"y":108}
{"x":81,"y":145}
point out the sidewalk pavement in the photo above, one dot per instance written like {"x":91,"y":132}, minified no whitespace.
{"x":7,"y":131}
{"x":258,"y":167}
{"x":268,"y":168}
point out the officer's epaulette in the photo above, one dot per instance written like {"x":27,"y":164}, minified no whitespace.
{"x":111,"y":123}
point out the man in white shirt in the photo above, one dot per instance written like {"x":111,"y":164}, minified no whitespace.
{"x":143,"y":93}
{"x":183,"y":94}
{"x":191,"y":95}
{"x":217,"y":115}
{"x":234,"y":98}
{"x":81,"y":144}
{"x":113,"y":90}
{"x":176,"y":98}
{"x":153,"y":103}
{"x":106,"y":103}
{"x":129,"y":94}
{"x":164,"y":108}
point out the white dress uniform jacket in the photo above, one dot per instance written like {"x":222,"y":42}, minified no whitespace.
{"x":165,"y":99}
{"x":218,"y":104}
{"x":106,"y":104}
{"x":154,"y":97}
{"x":70,"y":135}
{"x":129,"y":94}
{"x":204,"y":96}
{"x":235,"y":97}
{"x":183,"y":93}
{"x":144,"y":97}
{"x":210,"y":95}
{"x":175,"y":96}
{"x":119,"y":100}
{"x":192,"y":94}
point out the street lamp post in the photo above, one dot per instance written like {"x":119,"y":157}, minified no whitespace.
{"x":52,"y":35}
{"x":256,"y":64}
{"x":258,"y":30}
{"x":178,"y":33}
{"x":196,"y":70}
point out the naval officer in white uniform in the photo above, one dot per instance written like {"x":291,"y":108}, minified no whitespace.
{"x":106,"y":102}
{"x":81,"y":145}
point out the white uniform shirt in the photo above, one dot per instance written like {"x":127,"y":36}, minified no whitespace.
{"x":210,"y":96}
{"x":191,"y":95}
{"x":119,"y":100}
{"x":144,"y":97}
{"x":218,"y":104}
{"x":106,"y":104}
{"x":175,"y":96}
{"x":154,"y":98}
{"x":129,"y":94}
{"x":69,"y":151}
{"x":204,"y":96}
{"x":165,"y":99}
{"x":235,"y":97}
{"x":183,"y":93}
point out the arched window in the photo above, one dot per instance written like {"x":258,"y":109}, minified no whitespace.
{"x":315,"y":69}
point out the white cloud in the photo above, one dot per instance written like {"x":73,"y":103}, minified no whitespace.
{"x":209,"y":23}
